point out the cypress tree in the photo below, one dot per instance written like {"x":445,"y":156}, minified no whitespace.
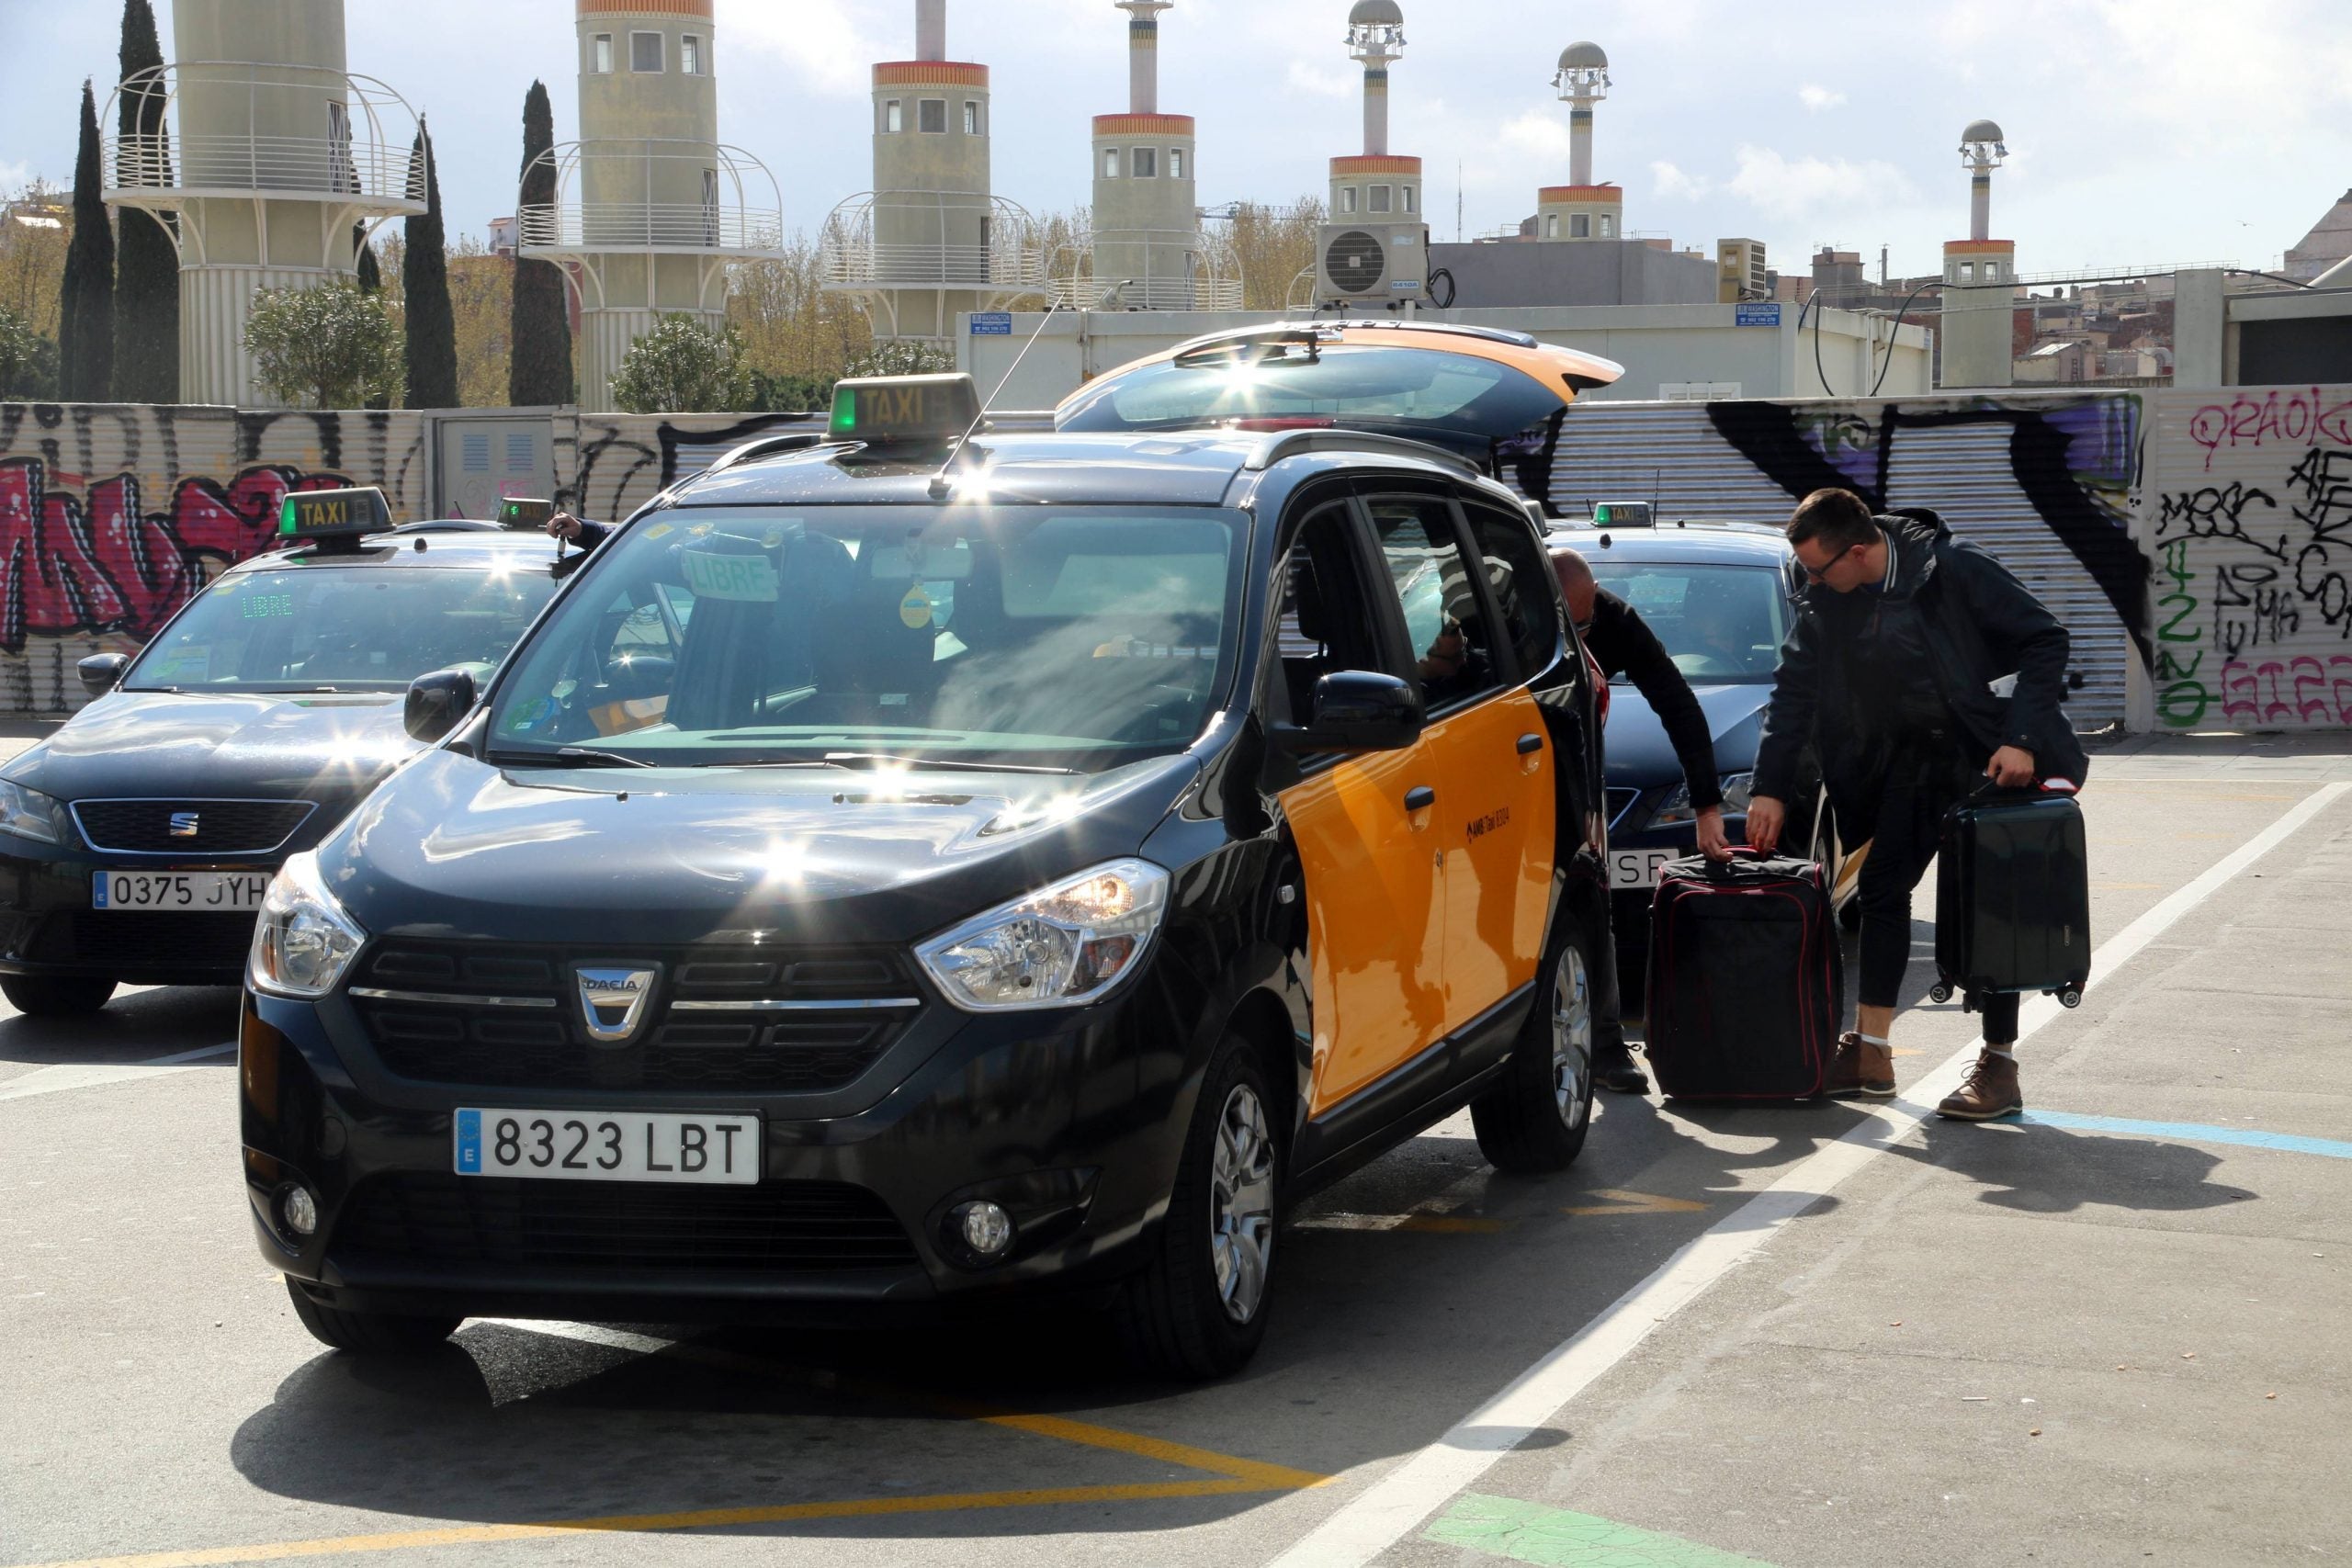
{"x":371,"y":272}
{"x":424,"y":286}
{"x":539,"y":327}
{"x":147,"y":265}
{"x":85,"y":303}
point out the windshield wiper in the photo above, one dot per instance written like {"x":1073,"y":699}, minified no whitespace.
{"x":886,"y":760}
{"x":569,"y":756}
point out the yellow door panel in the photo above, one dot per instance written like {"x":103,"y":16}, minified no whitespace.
{"x":1494,"y":809}
{"x":1374,"y":920}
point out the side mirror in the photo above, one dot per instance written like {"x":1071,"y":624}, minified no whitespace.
{"x":1357,"y":710}
{"x":100,"y":671}
{"x":436,"y":702}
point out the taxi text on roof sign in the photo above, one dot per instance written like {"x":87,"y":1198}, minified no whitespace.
{"x":904,"y":410}
{"x":1622,"y":514}
{"x":525,"y":512}
{"x":333,"y":513}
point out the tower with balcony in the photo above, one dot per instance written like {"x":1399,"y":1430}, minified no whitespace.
{"x":651,"y":208}
{"x":1375,"y":184}
{"x":930,"y":241}
{"x":1580,"y":210}
{"x":1980,"y":276}
{"x":266,"y":157}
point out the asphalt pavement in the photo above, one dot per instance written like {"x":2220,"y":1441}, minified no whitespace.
{"x":2116,"y":1331}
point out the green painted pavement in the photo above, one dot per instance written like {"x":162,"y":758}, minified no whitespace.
{"x":1528,"y":1532}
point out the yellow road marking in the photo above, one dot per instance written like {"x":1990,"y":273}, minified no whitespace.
{"x":700,"y":1518}
{"x":1444,"y":1224}
{"x":1622,"y":1203}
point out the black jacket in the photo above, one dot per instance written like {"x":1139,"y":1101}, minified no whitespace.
{"x":1982,"y":626}
{"x":1622,"y":644}
{"x":593,"y":534}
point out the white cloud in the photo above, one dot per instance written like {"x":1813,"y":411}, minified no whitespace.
{"x":815,"y":41}
{"x":1322,"y":82}
{"x":1539,"y":135}
{"x":1671,"y":184}
{"x":1805,"y":186}
{"x":1817,"y":98}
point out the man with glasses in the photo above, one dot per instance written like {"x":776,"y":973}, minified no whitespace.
{"x":1919,"y":667}
{"x":1622,"y":644}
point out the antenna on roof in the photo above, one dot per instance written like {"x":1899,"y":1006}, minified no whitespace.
{"x":939,"y":486}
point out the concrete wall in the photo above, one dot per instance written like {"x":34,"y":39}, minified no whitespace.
{"x":2243,"y":510}
{"x":1660,"y":346}
{"x":1520,"y":272}
{"x":111,"y":515}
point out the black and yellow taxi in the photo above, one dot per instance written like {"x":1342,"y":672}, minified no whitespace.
{"x":939,"y":865}
{"x":137,"y":840}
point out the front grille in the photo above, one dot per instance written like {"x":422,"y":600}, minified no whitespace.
{"x":774,"y":1227}
{"x":451,"y":1039}
{"x":1621,"y":801}
{"x":223,"y":827}
{"x":137,"y":941}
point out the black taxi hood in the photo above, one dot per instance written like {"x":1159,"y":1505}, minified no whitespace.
{"x":323,"y":746}
{"x":456,"y":848}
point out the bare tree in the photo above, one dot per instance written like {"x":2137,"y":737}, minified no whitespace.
{"x":1267,"y":247}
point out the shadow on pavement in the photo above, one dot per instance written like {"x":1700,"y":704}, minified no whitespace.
{"x":135,"y":1026}
{"x":2046,"y":1170}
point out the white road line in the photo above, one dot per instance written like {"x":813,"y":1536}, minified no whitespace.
{"x":586,"y":1333}
{"x":1392,"y":1507}
{"x":92,"y":1074}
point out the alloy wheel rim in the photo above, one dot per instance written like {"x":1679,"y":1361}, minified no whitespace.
{"x":1571,"y":1039}
{"x":1241,"y":1204}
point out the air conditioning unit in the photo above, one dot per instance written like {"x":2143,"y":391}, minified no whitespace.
{"x":1371,"y":264}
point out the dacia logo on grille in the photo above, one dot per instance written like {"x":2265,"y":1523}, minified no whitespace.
{"x":183,"y":824}
{"x":612,"y":1000}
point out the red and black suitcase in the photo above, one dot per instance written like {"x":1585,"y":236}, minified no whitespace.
{"x":2013,"y":895}
{"x":1746,"y":979}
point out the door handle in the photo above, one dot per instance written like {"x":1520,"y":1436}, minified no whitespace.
{"x":1420,"y":797}
{"x":1528,"y":744}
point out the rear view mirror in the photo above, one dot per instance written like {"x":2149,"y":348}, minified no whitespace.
{"x":100,"y":671}
{"x":1357,"y":710}
{"x":436,"y":702}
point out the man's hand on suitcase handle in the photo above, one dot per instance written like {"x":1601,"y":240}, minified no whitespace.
{"x":2011,"y":767}
{"x":1712,"y":842}
{"x":1765,"y":815}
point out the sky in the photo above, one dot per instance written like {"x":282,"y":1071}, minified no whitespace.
{"x":2142,"y":132}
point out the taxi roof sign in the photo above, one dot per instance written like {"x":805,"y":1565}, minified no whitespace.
{"x":904,"y":410}
{"x":333,"y":513}
{"x":525,"y":513}
{"x":1624,"y":514}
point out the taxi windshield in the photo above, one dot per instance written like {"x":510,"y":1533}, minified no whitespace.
{"x":1365,"y":387}
{"x":1720,"y":624}
{"x":364,"y":626}
{"x":1053,"y":636}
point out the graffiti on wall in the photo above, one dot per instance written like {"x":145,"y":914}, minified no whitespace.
{"x":2249,"y":510}
{"x":112,"y":515}
{"x":621,"y":461}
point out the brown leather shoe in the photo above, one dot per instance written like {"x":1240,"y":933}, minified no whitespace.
{"x":1859,"y":1071}
{"x":1990,"y":1089}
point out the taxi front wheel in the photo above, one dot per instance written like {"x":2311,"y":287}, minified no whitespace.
{"x":1199,"y":1307}
{"x":369,"y":1333}
{"x":55,"y":996}
{"x":1535,"y":1117}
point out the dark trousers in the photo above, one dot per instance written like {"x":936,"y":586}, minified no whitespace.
{"x":1925,"y":780}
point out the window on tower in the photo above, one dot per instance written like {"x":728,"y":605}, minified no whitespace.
{"x":1407,"y":191}
{"x":1380,"y":199}
{"x":1608,"y":227}
{"x":645,"y":52}
{"x":1580,"y":225}
{"x":930,"y":114}
{"x":1110,"y":163}
{"x":1551,"y":225}
{"x":1346,"y":199}
{"x":971,"y":117}
{"x":690,"y":61}
{"x":894,"y":117}
{"x":1146,"y":163}
{"x":1175,"y":162}
{"x":600,"y":54}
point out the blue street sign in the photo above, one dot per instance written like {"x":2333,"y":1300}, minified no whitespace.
{"x":991,"y":323}
{"x":1742,"y":316}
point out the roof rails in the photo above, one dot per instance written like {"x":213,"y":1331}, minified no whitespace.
{"x":447,"y":526}
{"x":764,"y":447}
{"x":1492,"y":334}
{"x":1297,"y":443}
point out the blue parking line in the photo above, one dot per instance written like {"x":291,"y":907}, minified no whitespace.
{"x":2192,"y":1133}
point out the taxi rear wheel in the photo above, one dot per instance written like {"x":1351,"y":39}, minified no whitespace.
{"x":369,"y":1333}
{"x":1199,"y":1307}
{"x":56,"y":996}
{"x":1535,"y":1117}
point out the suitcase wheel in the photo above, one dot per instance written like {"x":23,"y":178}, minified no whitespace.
{"x":1940,"y":992}
{"x":2072,"y":996}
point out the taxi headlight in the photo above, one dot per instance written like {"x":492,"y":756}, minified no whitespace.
{"x":1739,"y":789}
{"x":29,"y":814}
{"x":303,"y":942}
{"x":1061,"y":946}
